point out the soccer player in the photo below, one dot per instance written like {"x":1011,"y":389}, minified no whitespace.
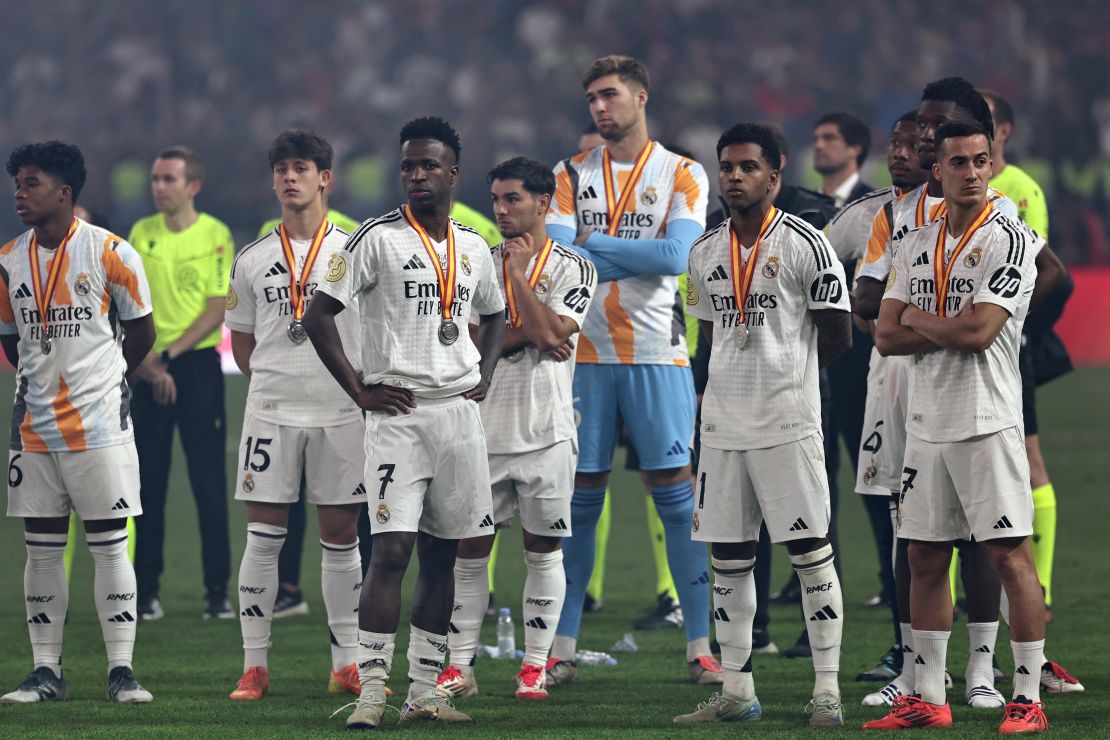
{"x":75,"y":319}
{"x":417,"y":276}
{"x":298,"y":423}
{"x":187,"y":255}
{"x":634,"y":209}
{"x":772,"y":299}
{"x":529,"y":421}
{"x":957,"y":295}
{"x":847,"y":234}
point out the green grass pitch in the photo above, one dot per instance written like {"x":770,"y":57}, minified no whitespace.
{"x":190,"y":665}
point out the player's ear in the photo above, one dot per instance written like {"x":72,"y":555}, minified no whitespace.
{"x":773,"y":180}
{"x":543,"y":203}
{"x":936,"y":170}
{"x":325,"y":179}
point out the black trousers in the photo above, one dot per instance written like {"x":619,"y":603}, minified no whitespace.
{"x":200,"y":418}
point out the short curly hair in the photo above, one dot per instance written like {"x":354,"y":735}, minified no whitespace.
{"x":64,"y":162}
{"x":432,"y":127}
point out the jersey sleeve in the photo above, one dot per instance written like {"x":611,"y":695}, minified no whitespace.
{"x":126,"y":279}
{"x":1006,"y":207}
{"x":7,"y":315}
{"x":898,"y":279}
{"x":844,"y":233}
{"x":877,"y":259}
{"x":220,"y":272}
{"x":562,"y":211}
{"x":1010,"y":270}
{"x":240,"y":307}
{"x":354,"y":268}
{"x":691,"y":193}
{"x":488,"y":298}
{"x":696,"y":291}
{"x":573,"y":289}
{"x":821,"y":275}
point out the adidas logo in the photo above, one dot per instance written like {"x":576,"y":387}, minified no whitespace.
{"x":360,"y":490}
{"x":1003,"y":523}
{"x":826,"y":613}
{"x":703,"y":579}
{"x":23,"y":291}
{"x":39,"y":618}
{"x":588,"y":193}
{"x":900,"y":233}
{"x":918,"y":661}
{"x":717,"y":274}
{"x":721,"y":615}
{"x":676,"y":449}
{"x":907,"y":649}
{"x":120,"y":505}
{"x":486,"y":522}
{"x":1022,"y":670}
{"x":798,"y":525}
{"x":982,"y":649}
{"x":252,"y":611}
{"x":559,"y":525}
{"x":414,"y":263}
{"x":536,"y":623}
{"x":452,"y":629}
{"x":277,"y":269}
{"x":122,"y":617}
{"x":923,"y":259}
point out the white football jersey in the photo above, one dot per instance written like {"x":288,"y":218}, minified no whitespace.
{"x":530,"y":404}
{"x":289,"y":384}
{"x":76,"y":397}
{"x":850,"y":228}
{"x":385,"y":266}
{"x":766,"y":393}
{"x":957,"y":395}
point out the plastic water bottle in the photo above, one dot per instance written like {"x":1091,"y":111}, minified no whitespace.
{"x":591,"y":657}
{"x":506,"y":635}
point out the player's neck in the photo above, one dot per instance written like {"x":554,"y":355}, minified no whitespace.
{"x":933,"y":187}
{"x":539,"y":236}
{"x":960,"y":216}
{"x":747,"y":223}
{"x":182,"y":218}
{"x":629,"y":146}
{"x":302,"y":224}
{"x":50,"y":234}
{"x":433,"y":219}
{"x":830,"y":182}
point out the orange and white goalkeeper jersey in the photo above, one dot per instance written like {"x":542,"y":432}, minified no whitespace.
{"x":74,"y":398}
{"x":636,"y":320}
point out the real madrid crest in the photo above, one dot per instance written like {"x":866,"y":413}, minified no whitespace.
{"x":81,"y":284}
{"x":692,"y":296}
{"x":383,"y":514}
{"x":543,"y":284}
{"x":337,"y":268}
{"x":771,"y":269}
{"x":972,"y":259}
{"x":232,"y":299}
{"x":466,"y":263}
{"x":248,"y":483}
{"x":649,"y":196}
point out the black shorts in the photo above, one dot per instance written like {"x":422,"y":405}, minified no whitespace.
{"x":1028,"y":389}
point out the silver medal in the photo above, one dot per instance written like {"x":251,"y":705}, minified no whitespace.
{"x":742,"y":335}
{"x":46,"y":344}
{"x":296,"y":332}
{"x":448,"y":332}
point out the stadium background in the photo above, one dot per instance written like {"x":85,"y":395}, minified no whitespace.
{"x":123,"y":79}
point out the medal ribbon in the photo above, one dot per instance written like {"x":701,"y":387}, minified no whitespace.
{"x":43,"y":297}
{"x":615,"y":212}
{"x":296,"y":287}
{"x":533,"y":278}
{"x":446,"y":281}
{"x":942,"y":269}
{"x":742,"y":275}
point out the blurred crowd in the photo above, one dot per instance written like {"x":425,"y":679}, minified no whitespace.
{"x":125,"y":78}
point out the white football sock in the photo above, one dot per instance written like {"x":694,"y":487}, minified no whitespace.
{"x":905,"y":680}
{"x":1028,"y":659}
{"x":258,"y":583}
{"x":733,"y":614}
{"x":46,"y":596}
{"x":114,"y":591}
{"x":375,"y":659}
{"x":981,"y":639}
{"x":471,"y":600}
{"x":341,"y":582}
{"x":932,"y":650}
{"x":544,"y":590}
{"x":823,"y":607}
{"x":426,"y":654}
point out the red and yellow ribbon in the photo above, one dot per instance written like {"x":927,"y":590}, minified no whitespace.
{"x":942,"y":269}
{"x":616,"y":208}
{"x":446,"y":279}
{"x":44,"y":296}
{"x":296,"y":287}
{"x":742,"y":275}
{"x":533,"y":278}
